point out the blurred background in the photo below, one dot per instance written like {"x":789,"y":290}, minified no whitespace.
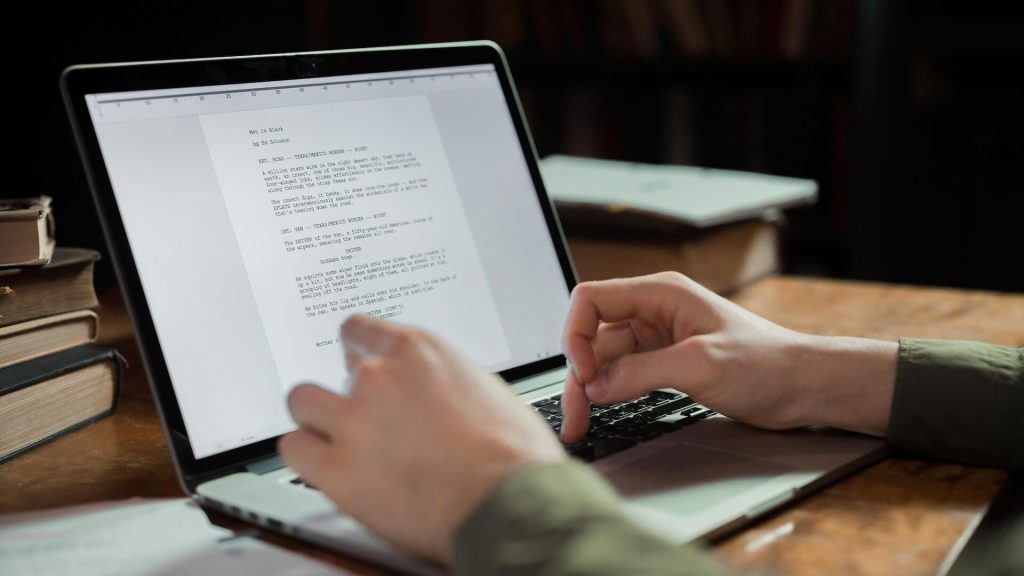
{"x":907,"y":113}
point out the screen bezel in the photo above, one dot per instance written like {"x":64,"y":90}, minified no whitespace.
{"x":79,"y":81}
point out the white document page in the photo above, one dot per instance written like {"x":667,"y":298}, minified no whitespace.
{"x":135,"y":536}
{"x":349,"y":207}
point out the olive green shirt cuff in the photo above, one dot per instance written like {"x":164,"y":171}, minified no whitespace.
{"x":563,"y":518}
{"x":960,"y":401}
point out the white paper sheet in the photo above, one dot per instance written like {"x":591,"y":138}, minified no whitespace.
{"x":697,"y":196}
{"x":137,"y":537}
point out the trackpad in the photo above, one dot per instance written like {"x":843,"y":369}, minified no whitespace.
{"x":685,"y":479}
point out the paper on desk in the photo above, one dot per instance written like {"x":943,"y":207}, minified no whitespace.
{"x":696,"y":196}
{"x":138,"y":537}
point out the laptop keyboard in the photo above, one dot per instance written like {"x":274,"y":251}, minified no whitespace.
{"x":616,"y":427}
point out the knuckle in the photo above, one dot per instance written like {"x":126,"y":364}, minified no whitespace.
{"x":430,"y":341}
{"x":702,"y":352}
{"x":616,"y":370}
{"x":698,"y":346}
{"x":673,"y":277}
{"x":404,"y":341}
{"x":350,"y":326}
{"x":582,"y":291}
{"x":368,"y":369}
{"x":621,"y":370}
{"x":298,"y":397}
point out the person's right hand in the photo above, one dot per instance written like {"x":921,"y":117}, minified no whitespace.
{"x":627,"y":337}
{"x":423,"y":437}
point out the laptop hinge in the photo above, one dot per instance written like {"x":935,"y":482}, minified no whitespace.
{"x":266,"y":465}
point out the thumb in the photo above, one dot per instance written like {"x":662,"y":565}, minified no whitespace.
{"x":636,"y":374}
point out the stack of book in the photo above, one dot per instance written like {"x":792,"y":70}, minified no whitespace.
{"x":53,"y":380}
{"x":719,"y":227}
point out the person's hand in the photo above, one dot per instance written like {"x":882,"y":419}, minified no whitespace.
{"x":424,"y":436}
{"x":624,"y":338}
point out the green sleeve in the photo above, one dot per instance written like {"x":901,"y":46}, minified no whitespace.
{"x":562,"y":519}
{"x":960,"y":401}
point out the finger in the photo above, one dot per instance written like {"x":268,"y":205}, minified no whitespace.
{"x":364,"y":335}
{"x":613,"y":340}
{"x":637,"y":374}
{"x":368,"y":378}
{"x":575,"y":410}
{"x":360,"y":338}
{"x":317,"y":409}
{"x":592,"y":303}
{"x":367,"y":334}
{"x":307,"y":453}
{"x":353,"y":354}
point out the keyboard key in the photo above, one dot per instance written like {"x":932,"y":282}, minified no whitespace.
{"x":650,"y":402}
{"x":661,"y":395}
{"x":670,"y":407}
{"x":663,"y":427}
{"x":630,"y":422}
{"x":645,"y":413}
{"x":545,"y":402}
{"x":699,"y":412}
{"x":617,"y":413}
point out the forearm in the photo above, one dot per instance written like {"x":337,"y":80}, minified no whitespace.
{"x":846,"y":383}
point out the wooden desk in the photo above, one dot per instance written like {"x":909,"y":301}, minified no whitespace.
{"x":900,"y":516}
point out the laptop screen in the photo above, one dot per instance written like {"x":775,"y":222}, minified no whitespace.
{"x":260,"y":216}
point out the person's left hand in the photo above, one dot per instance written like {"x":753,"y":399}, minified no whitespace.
{"x":424,"y":436}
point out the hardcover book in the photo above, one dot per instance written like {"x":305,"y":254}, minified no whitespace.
{"x":35,"y":338}
{"x":63,"y":285}
{"x":46,"y":398}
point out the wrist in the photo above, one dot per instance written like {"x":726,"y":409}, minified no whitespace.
{"x":847,"y":382}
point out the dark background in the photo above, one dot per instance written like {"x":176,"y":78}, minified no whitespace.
{"x":908,"y":113}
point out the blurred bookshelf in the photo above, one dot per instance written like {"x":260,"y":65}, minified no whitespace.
{"x":760,"y":85}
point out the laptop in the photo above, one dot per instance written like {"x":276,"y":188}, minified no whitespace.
{"x":251,"y":204}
